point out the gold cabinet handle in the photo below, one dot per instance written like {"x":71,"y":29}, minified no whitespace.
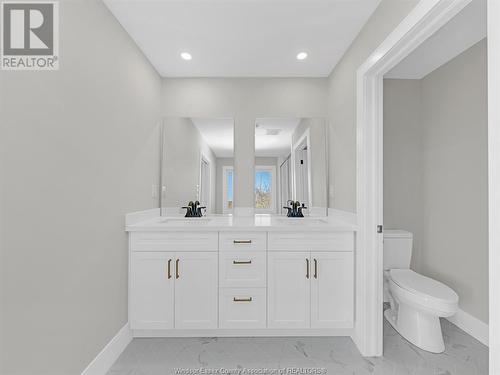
{"x":169,"y":275}
{"x":242,"y":262}
{"x":177,"y":269}
{"x":242,"y":241}
{"x":315,"y":268}
{"x":238,"y":299}
{"x":307,"y":268}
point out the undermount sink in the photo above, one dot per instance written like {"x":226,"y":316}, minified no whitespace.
{"x":186,"y":220}
{"x":300,"y":221}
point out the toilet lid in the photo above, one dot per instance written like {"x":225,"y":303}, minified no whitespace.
{"x":416,"y":283}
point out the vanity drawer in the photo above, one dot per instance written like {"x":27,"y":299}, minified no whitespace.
{"x":172,"y":241}
{"x":242,"y":308}
{"x":248,"y":241}
{"x":242,"y":269}
{"x":311,"y":241}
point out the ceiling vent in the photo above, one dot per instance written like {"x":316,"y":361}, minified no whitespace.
{"x":273,"y":131}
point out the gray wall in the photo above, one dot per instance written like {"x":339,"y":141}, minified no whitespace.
{"x":266,"y":160}
{"x":342,"y":100}
{"x":455,"y":248}
{"x":245,"y":100}
{"x":78,"y":150}
{"x":451,"y":200}
{"x":403,"y":187}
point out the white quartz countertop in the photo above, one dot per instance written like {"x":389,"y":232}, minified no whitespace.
{"x":241,"y":223}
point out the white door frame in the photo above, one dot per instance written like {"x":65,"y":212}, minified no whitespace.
{"x":494,"y":181}
{"x":208,"y":203}
{"x":306,"y":136}
{"x":425,"y":19}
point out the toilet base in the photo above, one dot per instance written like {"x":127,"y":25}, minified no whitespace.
{"x":420,"y":329}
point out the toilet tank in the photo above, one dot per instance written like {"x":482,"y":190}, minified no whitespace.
{"x":398,"y":245}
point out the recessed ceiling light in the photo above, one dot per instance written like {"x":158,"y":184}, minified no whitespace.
{"x":302,"y":56}
{"x":186,"y":56}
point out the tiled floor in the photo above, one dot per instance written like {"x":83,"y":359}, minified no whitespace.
{"x":332,"y":355}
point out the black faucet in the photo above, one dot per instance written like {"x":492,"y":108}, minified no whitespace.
{"x":295,"y":209}
{"x":194,"y":209}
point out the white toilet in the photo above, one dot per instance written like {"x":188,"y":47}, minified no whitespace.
{"x":417,"y":302}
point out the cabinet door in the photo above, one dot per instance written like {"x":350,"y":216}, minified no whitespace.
{"x":151,"y":290}
{"x":288,"y":290}
{"x":332,"y":290}
{"x":196,"y":290}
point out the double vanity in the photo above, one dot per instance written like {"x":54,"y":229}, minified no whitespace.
{"x":241,"y":276}
{"x":233,"y":270}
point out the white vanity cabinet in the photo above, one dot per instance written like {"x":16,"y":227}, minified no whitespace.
{"x":230,"y":283}
{"x":242,"y":259}
{"x":196,"y":290}
{"x":151,"y":290}
{"x":173,"y":289}
{"x":332,"y":289}
{"x":289,"y":290}
{"x":310,"y":289}
{"x":242,"y":279}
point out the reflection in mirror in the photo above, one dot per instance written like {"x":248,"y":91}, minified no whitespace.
{"x":195,"y":155}
{"x":290,"y":164}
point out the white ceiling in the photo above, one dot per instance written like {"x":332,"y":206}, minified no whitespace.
{"x":243,"y":38}
{"x":218,"y":134}
{"x":460,"y":33}
{"x":273,"y":136}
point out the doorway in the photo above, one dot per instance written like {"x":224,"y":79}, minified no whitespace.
{"x":422,"y":23}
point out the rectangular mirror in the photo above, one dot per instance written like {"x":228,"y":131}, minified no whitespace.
{"x":196,"y":154}
{"x":291,"y":164}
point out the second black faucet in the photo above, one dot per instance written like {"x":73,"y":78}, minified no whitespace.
{"x":295,"y":209}
{"x":194,"y":209}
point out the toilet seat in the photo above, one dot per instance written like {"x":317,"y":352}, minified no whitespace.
{"x":425,"y":291}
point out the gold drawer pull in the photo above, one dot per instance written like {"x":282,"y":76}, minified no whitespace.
{"x":242,"y":241}
{"x":242,"y":262}
{"x":247,"y":299}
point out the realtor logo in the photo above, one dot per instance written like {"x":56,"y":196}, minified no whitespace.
{"x":29,"y":39}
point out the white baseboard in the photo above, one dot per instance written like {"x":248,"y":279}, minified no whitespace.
{"x":105,"y":359}
{"x":473,"y":326}
{"x":237,"y":332}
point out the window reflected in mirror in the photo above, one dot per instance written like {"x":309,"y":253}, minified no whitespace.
{"x":227,"y":204}
{"x":290,"y":165}
{"x":265,"y":188}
